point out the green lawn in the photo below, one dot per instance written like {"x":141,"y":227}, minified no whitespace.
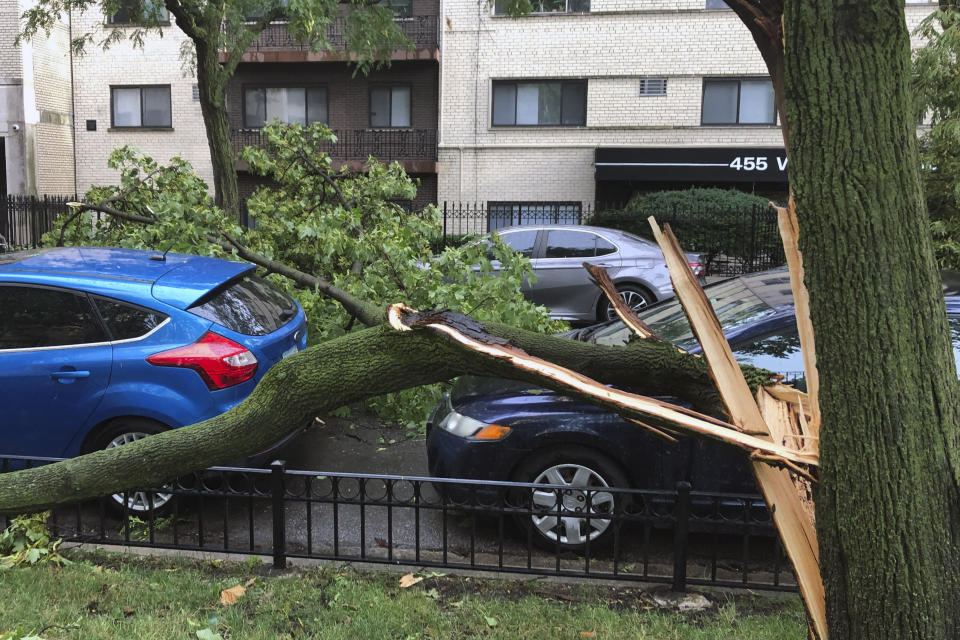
{"x":116,"y":596}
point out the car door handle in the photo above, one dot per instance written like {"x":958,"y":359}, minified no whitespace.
{"x":605,"y":265}
{"x":70,"y":374}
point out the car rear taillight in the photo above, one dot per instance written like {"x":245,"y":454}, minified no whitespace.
{"x":697,"y":268}
{"x":221,"y":362}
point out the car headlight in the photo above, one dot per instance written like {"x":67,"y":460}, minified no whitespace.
{"x":467,"y":427}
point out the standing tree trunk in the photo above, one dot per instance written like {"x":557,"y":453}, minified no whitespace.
{"x":212,"y":85}
{"x":888,"y":504}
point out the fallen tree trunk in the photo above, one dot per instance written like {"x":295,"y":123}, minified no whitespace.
{"x":354,"y":367}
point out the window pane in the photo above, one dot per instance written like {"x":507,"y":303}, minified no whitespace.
{"x":400,"y":109}
{"x":380,"y":107}
{"x":156,"y":107}
{"x":574,"y":104}
{"x":317,"y":105}
{"x":126,"y":107}
{"x":126,"y":321}
{"x":756,"y":101}
{"x":720,"y":101}
{"x":251,"y":307}
{"x":287,"y":105}
{"x":550,"y":96}
{"x":528,"y":101}
{"x":255,"y":107}
{"x":504,"y":104}
{"x":521,"y":241}
{"x":46,"y":318}
{"x":571,"y":244}
{"x":604,"y":247}
{"x":717,"y":4}
{"x":578,"y":6}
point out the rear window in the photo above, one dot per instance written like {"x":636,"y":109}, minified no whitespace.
{"x":249,"y":306}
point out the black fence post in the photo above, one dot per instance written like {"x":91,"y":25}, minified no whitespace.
{"x":277,"y":468}
{"x":680,"y":535}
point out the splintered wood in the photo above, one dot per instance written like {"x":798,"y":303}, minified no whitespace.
{"x":778,"y":414}
{"x":630,"y":318}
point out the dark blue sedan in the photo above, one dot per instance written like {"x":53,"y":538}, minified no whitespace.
{"x":100,"y":347}
{"x":492,"y":429}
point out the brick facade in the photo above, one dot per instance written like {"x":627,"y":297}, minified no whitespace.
{"x":611,"y":48}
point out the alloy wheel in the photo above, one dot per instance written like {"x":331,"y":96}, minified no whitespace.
{"x":568,"y":513}
{"x":138,"y":501}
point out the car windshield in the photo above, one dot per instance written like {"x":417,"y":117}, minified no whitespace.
{"x":735,"y":304}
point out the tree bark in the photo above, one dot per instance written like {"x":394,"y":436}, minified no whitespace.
{"x":212,"y":86}
{"x":888,"y":504}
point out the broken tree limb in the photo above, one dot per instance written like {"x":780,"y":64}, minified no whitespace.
{"x":723,"y":367}
{"x":630,"y":318}
{"x":629,"y":405}
{"x":787,"y":497}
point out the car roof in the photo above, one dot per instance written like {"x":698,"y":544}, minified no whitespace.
{"x":174,"y":278}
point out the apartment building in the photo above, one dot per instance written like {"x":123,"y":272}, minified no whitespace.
{"x":594,"y":100}
{"x":140,"y":96}
{"x":36,"y":112}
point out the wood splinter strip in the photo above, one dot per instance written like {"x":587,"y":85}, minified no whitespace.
{"x":678,"y":417}
{"x":630,"y":318}
{"x":663,"y":434}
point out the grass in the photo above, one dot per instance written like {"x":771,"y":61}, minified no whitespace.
{"x":115,"y":596}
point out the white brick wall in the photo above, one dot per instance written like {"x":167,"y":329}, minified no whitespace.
{"x":158,"y":62}
{"x":612,"y":47}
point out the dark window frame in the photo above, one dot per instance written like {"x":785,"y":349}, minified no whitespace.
{"x":556,"y":206}
{"x":515,"y":82}
{"x":739,"y":80}
{"x":391,"y":86}
{"x":113,"y":22}
{"x":283,"y":85}
{"x":140,"y":87}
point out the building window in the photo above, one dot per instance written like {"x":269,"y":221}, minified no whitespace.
{"x":738,"y":101}
{"x":505,"y":214}
{"x":540,"y":103}
{"x":147,"y":106}
{"x":400,"y":8}
{"x":291,"y":105}
{"x":140,"y":12}
{"x":717,"y":4}
{"x":502,"y":7}
{"x":653,"y":86}
{"x":390,"y":106}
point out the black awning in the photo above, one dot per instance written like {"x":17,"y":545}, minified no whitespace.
{"x":692,"y":164}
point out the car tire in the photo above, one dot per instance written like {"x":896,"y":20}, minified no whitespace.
{"x":578,"y":467}
{"x":634,"y":295}
{"x":123,"y":431}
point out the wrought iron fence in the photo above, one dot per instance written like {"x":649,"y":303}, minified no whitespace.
{"x":679,"y":537}
{"x":421,"y":30}
{"x":385,"y":144}
{"x":24,"y":219}
{"x":731,"y":243}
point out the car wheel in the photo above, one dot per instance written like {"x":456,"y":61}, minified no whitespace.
{"x":124,"y":431}
{"x":583,"y":474}
{"x":635,"y":296}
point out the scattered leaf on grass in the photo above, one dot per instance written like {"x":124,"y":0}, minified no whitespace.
{"x":231,"y":595}
{"x":207,"y":634}
{"x":490,"y":620}
{"x":409,"y":580}
{"x":588,"y":634}
{"x":433,"y":593}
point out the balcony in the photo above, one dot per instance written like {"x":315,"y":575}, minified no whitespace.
{"x":275,"y":44}
{"x":414,"y":149}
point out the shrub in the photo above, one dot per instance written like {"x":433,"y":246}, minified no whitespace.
{"x":714,"y":222}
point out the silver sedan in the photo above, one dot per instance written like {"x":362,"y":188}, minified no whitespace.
{"x":557,"y":253}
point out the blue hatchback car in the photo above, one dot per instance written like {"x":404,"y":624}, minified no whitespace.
{"x":493,"y":429}
{"x":99,"y":346}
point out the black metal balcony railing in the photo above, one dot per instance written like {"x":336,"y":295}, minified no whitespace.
{"x":357,"y":144}
{"x":422,"y":31}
